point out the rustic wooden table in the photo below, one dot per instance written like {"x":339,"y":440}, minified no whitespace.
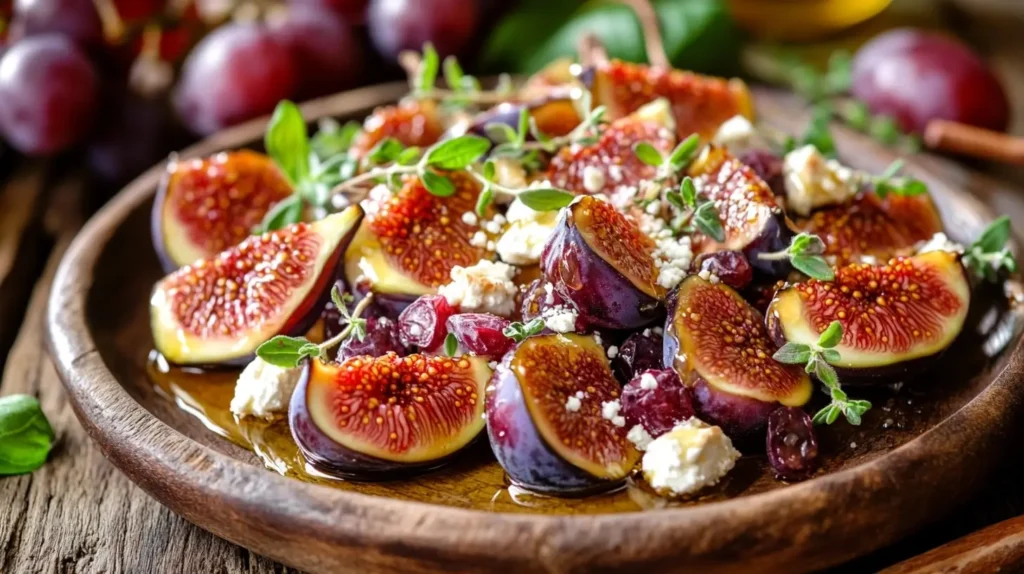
{"x":79,"y":514}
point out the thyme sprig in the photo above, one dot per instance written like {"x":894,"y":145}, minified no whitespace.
{"x":989,"y":255}
{"x":668,"y":165}
{"x":805,"y":254}
{"x":887,"y":183}
{"x":816,"y":359}
{"x":287,"y":352}
{"x":695,"y":212}
{"x":463,"y":90}
{"x":519,"y":332}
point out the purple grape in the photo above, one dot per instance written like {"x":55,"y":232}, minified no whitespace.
{"x":381,"y":337}
{"x":768,"y":166}
{"x":76,"y":20}
{"x":731,"y":267}
{"x":792,"y":446}
{"x":397,"y":25}
{"x":423,"y":323}
{"x":640,"y":351}
{"x":327,"y":56}
{"x":658,"y":409}
{"x":481,"y":334}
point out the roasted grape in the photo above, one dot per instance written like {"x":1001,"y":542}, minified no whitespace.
{"x":422,"y":324}
{"x":381,"y":338}
{"x":792,"y":446}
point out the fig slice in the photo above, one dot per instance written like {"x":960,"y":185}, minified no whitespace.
{"x":895,"y":316}
{"x":552,"y":417}
{"x":410,"y":241}
{"x":871,"y":226}
{"x":598,"y":259}
{"x":218,"y":310}
{"x":206,"y":205}
{"x":412,"y":123}
{"x":370,"y":416}
{"x":700,"y":104}
{"x":752,"y":220}
{"x":722,"y":342}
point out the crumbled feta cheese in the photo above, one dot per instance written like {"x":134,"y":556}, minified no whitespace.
{"x":580,"y":394}
{"x":367,"y":270}
{"x":492,"y":227}
{"x":639,"y":436}
{"x":509,"y":173}
{"x":469,"y":218}
{"x":493,"y":365}
{"x":573,"y":404}
{"x":593,"y":179}
{"x":615,"y":172}
{"x":486,"y":287}
{"x":560,"y":319}
{"x":672,"y":255}
{"x":597,"y":338}
{"x":648,"y":382}
{"x":264,"y":390}
{"x":610,"y":409}
{"x":613,"y":352}
{"x":549,"y":293}
{"x":492,"y":246}
{"x":523,"y":241}
{"x":939,"y":242}
{"x":738,"y":135}
{"x":709,"y":276}
{"x":479,"y":239}
{"x":688,"y":458}
{"x":813,"y":181}
{"x":658,"y":111}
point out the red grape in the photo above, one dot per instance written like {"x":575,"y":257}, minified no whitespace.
{"x":238,"y":72}
{"x":916,"y":76}
{"x":353,"y":11}
{"x":48,"y":94}
{"x":397,"y":25}
{"x":327,"y":57}
{"x":76,"y":19}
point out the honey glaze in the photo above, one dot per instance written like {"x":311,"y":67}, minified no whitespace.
{"x":475,"y":480}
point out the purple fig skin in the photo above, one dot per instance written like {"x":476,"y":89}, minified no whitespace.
{"x":738,"y":416}
{"x":775,"y":236}
{"x":640,"y":352}
{"x":333,"y":459}
{"x":602,"y":296}
{"x":156,"y":225}
{"x":528,"y":461}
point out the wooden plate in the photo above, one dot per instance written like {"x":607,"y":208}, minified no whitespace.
{"x":914,"y":457}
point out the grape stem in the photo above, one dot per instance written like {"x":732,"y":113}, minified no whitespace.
{"x":347,"y":331}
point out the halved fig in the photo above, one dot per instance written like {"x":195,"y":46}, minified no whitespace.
{"x":553,"y":116}
{"x":545,"y":417}
{"x":752,"y":220}
{"x":412,"y":123}
{"x":874,"y":227}
{"x":719,"y":345}
{"x":372,"y":417}
{"x":610,"y":166}
{"x":208,"y":204}
{"x":410,"y":241}
{"x":599,"y":260}
{"x":700,"y":104}
{"x":896,"y":317}
{"x":218,"y":310}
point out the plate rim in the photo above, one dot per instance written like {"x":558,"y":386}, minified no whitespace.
{"x":164,"y":462}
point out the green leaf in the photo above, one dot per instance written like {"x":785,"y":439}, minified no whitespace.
{"x":793,"y":354}
{"x":675,"y":199}
{"x":995,"y":236}
{"x":858,"y":115}
{"x":684,"y":152}
{"x":518,"y":331}
{"x":648,"y":154}
{"x":688,"y":192}
{"x":409,"y":156}
{"x":891,"y":171}
{"x":831,"y":355}
{"x":490,"y":170}
{"x":287,"y":142}
{"x":500,"y":133}
{"x":819,"y":133}
{"x":451,"y":345}
{"x":852,"y":416}
{"x":831,"y":336}
{"x":25,"y":435}
{"x":338,"y":300}
{"x":457,"y":153}
{"x":437,"y":184}
{"x":813,"y":266}
{"x":884,"y":129}
{"x":285,"y":352}
{"x":707,"y":222}
{"x":331,"y":140}
{"x":545,"y":199}
{"x":821,"y":417}
{"x":284,"y":213}
{"x":833,"y":414}
{"x":524,"y":126}
{"x":428,"y":69}
{"x":484,"y":201}
{"x":824,"y":371}
{"x":386,"y":151}
{"x":453,"y":75}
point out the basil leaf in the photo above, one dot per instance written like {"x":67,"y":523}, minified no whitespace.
{"x":813,"y":266}
{"x":457,"y":153}
{"x":684,"y":152}
{"x":831,"y":336}
{"x":648,"y":154}
{"x":428,"y":69}
{"x":451,"y":345}
{"x":287,"y":142}
{"x":543,"y":199}
{"x":284,"y":352}
{"x":25,"y":435}
{"x":793,"y":354}
{"x":995,"y":235}
{"x":437,"y":184}
{"x":284,"y":213}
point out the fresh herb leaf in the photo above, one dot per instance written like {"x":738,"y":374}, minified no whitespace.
{"x":437,"y":184}
{"x":428,"y":69}
{"x":804,"y":253}
{"x":988,"y":256}
{"x":831,"y":336}
{"x":409,"y":156}
{"x":793,"y":354}
{"x":518,"y":331}
{"x":524,"y":126}
{"x":887,"y":183}
{"x":688,"y":192}
{"x":706,"y":219}
{"x":456,"y":153}
{"x":286,"y":352}
{"x":648,"y":154}
{"x":453,"y":75}
{"x":545,"y":199}
{"x":500,"y":133}
{"x":819,"y":132}
{"x":813,"y":266}
{"x":332,"y":140}
{"x":484,"y":201}
{"x":386,"y":151}
{"x":284,"y":213}
{"x":675,"y":199}
{"x":451,"y":345}
{"x":884,"y":129}
{"x":490,"y":170}
{"x":25,"y":435}
{"x":339,"y":301}
{"x":287,"y":142}
{"x":995,"y":236}
{"x":684,"y":152}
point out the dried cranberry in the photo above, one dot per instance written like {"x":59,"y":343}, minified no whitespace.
{"x":481,"y":334}
{"x":731,"y":268}
{"x":422,"y":324}
{"x":792,"y":446}
{"x":768,"y":166}
{"x":657,"y":406}
{"x":639,"y":352}
{"x":381,"y":337}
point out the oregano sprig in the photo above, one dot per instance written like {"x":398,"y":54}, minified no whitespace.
{"x":888,"y":182}
{"x":519,"y":331}
{"x":695,"y":211}
{"x":668,"y":164}
{"x":989,"y":255}
{"x":287,"y":352}
{"x":462,"y":90}
{"x":817,"y":359}
{"x":804,"y":254}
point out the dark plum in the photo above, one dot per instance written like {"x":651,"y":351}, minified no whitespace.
{"x":381,"y":338}
{"x":656,"y":400}
{"x":422,"y":323}
{"x":481,"y":334}
{"x":327,"y":54}
{"x":549,"y":390}
{"x":731,"y":268}
{"x":600,"y":261}
{"x":791,"y":443}
{"x":405,"y":433}
{"x":640,"y":351}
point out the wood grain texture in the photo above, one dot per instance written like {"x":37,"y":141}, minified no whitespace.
{"x":999,"y":547}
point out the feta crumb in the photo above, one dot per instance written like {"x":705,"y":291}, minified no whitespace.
{"x":560,"y":319}
{"x":264,"y":390}
{"x":479,"y":239}
{"x":486,"y":287}
{"x":549,"y":293}
{"x":688,"y":458}
{"x":469,"y":218}
{"x":580,"y":394}
{"x":672,"y":256}
{"x":613,"y":352}
{"x":523,"y":241}
{"x":738,"y":135}
{"x":491,"y":246}
{"x":813,"y":181}
{"x":593,"y":179}
{"x":639,"y":436}
{"x":610,"y":409}
{"x":939,"y":242}
{"x":648,"y":382}
{"x":492,"y":227}
{"x":366,"y":268}
{"x":597,"y":338}
{"x":615,"y":172}
{"x":493,"y":365}
{"x":573,"y":404}
{"x":646,"y":332}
